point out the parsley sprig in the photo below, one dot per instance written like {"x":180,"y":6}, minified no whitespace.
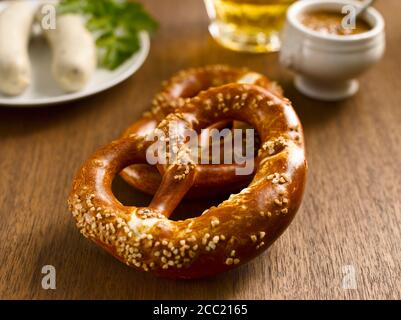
{"x":115,"y":24}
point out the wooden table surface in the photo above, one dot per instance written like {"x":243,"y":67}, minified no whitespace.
{"x":349,"y":223}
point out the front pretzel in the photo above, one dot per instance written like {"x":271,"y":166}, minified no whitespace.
{"x":221,"y":238}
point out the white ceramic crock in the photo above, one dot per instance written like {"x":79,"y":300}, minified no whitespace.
{"x":326,"y":65}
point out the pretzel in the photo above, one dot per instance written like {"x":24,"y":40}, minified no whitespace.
{"x":186,"y":84}
{"x":223,"y":237}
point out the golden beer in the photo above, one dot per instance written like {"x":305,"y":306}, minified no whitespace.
{"x":248,"y":25}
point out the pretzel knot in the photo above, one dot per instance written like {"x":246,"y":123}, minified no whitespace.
{"x":223,"y":237}
{"x":174,"y":94}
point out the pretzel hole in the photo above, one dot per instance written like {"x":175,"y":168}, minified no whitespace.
{"x":187,"y":209}
{"x":225,"y":134}
{"x":232,"y":146}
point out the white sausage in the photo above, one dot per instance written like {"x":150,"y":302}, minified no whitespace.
{"x":74,"y":52}
{"x":15,"y":28}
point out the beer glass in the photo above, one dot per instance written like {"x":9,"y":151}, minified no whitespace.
{"x":247,"y":25}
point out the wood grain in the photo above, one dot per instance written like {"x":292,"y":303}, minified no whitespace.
{"x":350,"y":214}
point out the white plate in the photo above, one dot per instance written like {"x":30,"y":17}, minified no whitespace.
{"x":43,"y":90}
